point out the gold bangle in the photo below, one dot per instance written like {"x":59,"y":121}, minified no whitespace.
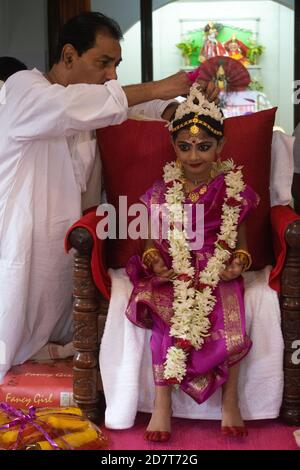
{"x":148,"y":256}
{"x":149,"y":251}
{"x":245,"y":257}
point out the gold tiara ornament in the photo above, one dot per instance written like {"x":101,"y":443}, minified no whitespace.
{"x":197,"y":103}
{"x":194,"y":129}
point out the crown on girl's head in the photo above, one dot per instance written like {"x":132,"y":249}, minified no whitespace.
{"x":197,"y":104}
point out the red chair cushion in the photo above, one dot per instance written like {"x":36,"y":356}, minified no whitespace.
{"x":134,"y":153}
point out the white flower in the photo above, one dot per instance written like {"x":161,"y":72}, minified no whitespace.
{"x":171,"y":172}
{"x":198,"y":104}
{"x":175,"y":365}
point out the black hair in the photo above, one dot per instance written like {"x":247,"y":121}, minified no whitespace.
{"x":9,"y":66}
{"x":81,"y":31}
{"x":216,"y":26}
{"x":217,"y":125}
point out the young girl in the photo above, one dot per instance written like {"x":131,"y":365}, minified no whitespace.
{"x":193,"y":298}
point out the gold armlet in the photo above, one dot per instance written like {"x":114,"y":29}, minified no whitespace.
{"x":245,"y":258}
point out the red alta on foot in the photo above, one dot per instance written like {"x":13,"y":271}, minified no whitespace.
{"x":234,"y":431}
{"x":157,"y":436}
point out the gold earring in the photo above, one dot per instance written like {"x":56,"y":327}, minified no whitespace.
{"x":179,"y":164}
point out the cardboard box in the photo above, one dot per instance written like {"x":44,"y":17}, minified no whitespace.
{"x":40,"y":384}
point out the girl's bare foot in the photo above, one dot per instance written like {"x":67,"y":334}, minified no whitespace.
{"x":232,"y":421}
{"x":231,"y":416}
{"x":159,"y":427}
{"x":160,"y":420}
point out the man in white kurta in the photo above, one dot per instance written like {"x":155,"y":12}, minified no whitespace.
{"x":42,"y":177}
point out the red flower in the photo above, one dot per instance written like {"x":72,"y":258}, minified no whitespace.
{"x":184,"y":277}
{"x":231,"y":201}
{"x":173,"y":381}
{"x":202,"y":286}
{"x":223,"y":244}
{"x":183,"y":344}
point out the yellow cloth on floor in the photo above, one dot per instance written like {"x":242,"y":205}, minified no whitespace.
{"x":66,"y":427}
{"x":74,"y":440}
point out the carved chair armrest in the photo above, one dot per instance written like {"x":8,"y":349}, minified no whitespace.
{"x":288,"y":236}
{"x":81,"y":239}
{"x":89,"y":310}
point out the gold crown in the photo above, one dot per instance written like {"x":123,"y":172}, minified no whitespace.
{"x":197,"y":104}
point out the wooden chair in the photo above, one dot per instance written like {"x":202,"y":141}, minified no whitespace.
{"x":90,"y":309}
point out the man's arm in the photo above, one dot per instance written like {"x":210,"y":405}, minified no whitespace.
{"x":165,"y":89}
{"x":158,"y":109}
{"x":49,"y":111}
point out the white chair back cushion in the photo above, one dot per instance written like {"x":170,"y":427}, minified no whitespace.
{"x":282,"y":169}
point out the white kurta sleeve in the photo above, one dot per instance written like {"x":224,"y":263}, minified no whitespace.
{"x":49,"y":111}
{"x":153,"y":109}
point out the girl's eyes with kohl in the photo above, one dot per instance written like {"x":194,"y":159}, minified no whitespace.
{"x":184,"y":147}
{"x":204,"y":148}
{"x":201,"y":147}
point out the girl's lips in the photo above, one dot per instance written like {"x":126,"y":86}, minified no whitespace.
{"x":195,"y":165}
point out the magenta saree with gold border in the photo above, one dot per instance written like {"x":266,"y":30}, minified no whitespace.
{"x":150,"y":304}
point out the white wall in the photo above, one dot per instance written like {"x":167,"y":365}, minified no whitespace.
{"x":276,"y":34}
{"x":23,"y":31}
{"x":125,"y":12}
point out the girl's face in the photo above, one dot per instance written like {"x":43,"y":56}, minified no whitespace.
{"x":196,"y":153}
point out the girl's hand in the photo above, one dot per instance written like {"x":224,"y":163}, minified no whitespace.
{"x":233,"y":270}
{"x":160,"y":269}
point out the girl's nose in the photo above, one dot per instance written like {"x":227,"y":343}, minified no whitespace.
{"x":194,"y":155}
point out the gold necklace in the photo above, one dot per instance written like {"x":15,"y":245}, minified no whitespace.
{"x":195,"y":196}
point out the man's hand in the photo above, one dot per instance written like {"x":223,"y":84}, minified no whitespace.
{"x":210,"y":90}
{"x":173,"y":86}
{"x":166,"y":89}
{"x":233,"y":270}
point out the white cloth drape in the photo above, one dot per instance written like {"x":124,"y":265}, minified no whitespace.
{"x":282,"y":169}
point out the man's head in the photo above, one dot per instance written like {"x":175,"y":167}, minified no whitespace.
{"x":89,"y":49}
{"x":9,"y":66}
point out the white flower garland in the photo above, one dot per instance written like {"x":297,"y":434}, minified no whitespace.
{"x":190,"y":323}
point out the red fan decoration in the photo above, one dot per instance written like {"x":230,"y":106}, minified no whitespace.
{"x":228,"y":74}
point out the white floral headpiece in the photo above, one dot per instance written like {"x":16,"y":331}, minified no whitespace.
{"x":197,"y":103}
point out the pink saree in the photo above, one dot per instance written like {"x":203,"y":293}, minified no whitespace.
{"x":150,"y":305}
